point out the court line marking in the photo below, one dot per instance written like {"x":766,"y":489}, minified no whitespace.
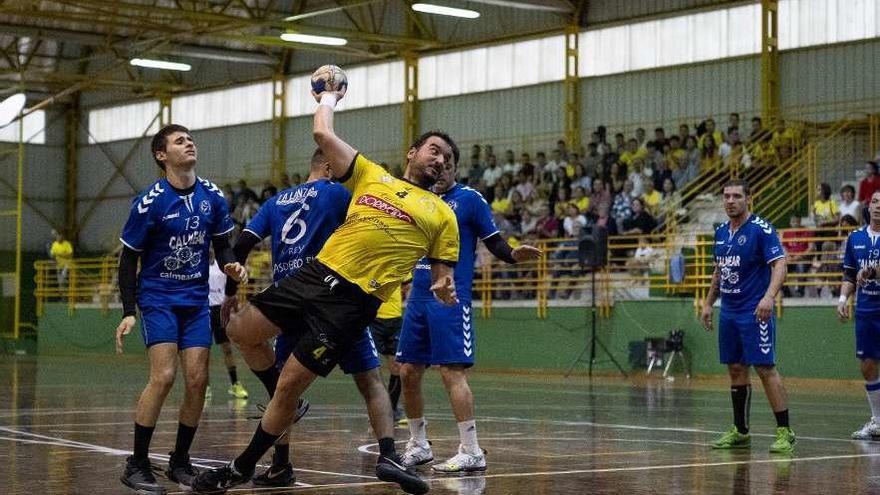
{"x":368,"y":447}
{"x":48,"y":440}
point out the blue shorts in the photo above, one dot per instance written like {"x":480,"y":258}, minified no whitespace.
{"x":434,"y":333}
{"x":741,"y":339}
{"x":868,"y":336}
{"x":362,"y":357}
{"x":186,"y":326}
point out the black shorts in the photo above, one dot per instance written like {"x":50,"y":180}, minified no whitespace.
{"x":217,"y":328}
{"x":386,"y":334}
{"x":321,"y":311}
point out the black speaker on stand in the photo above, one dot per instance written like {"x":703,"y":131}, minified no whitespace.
{"x":593,"y":255}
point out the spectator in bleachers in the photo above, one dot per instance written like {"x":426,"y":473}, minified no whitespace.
{"x":296,"y":179}
{"x":653,"y":156}
{"x":229,"y":196}
{"x":710,"y":134}
{"x":709,"y":160}
{"x":757,"y":129}
{"x":475,"y":151}
{"x":547,"y":225}
{"x":661,"y":173}
{"x":635,"y":176}
{"x":689,"y":164}
{"x":733,"y":120}
{"x":848,"y":224}
{"x":640,"y":262}
{"x":659,"y":138}
{"x":641,"y":222}
{"x":555,"y":163}
{"x":268,"y":191}
{"x":562,"y":149}
{"x":573,"y":161}
{"x":285,"y":181}
{"x":641,"y":138}
{"x":797,"y":259}
{"x":528,"y":224}
{"x":561,"y":204}
{"x":848,"y":205}
{"x":825,"y":212}
{"x":603,"y":218}
{"x":616,"y":177}
{"x":517,"y":205}
{"x":510,"y":166}
{"x":501,"y":203}
{"x":474,"y":173}
{"x":727,"y":146}
{"x":632,"y":153}
{"x":621,"y":208}
{"x":592,"y":160}
{"x":684,"y":132}
{"x":491,"y":175}
{"x":600,"y":196}
{"x":527,"y":166}
{"x":580,"y":178}
{"x":827,"y":261}
{"x":242,"y":193}
{"x":652,"y":198}
{"x":870,"y":184}
{"x":619,"y":143}
{"x":580,"y":199}
{"x":525,"y":186}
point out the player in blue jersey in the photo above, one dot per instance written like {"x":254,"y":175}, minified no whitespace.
{"x":860,"y":265}
{"x":299,"y":220}
{"x":749,"y":271}
{"x":171,"y":228}
{"x":443,"y":336}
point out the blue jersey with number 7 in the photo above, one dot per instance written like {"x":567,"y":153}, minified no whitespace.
{"x":299,"y":220}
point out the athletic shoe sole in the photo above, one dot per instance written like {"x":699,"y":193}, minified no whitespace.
{"x":408,"y":482}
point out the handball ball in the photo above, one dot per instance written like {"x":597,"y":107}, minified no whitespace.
{"x":329,"y":78}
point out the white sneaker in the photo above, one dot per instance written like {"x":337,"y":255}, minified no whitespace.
{"x":871,"y":431}
{"x":417,"y":454}
{"x":463,"y":462}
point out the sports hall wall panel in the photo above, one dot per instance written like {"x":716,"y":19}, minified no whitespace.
{"x":811,"y":342}
{"x":43,"y":175}
{"x":600,"y":11}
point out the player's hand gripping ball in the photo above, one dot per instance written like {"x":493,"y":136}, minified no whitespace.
{"x":329,"y":78}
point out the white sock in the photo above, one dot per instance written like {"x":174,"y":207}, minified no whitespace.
{"x":467,"y":431}
{"x":873,"y":390}
{"x":418,"y":431}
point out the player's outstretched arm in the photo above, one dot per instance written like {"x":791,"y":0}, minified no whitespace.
{"x":502,"y":250}
{"x":339,"y":153}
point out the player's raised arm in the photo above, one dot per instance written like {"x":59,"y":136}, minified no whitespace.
{"x":328,"y":87}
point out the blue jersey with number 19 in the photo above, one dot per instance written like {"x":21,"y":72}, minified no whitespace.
{"x":172,"y":229}
{"x":743,"y":258}
{"x":300,"y":219}
{"x":474,"y":217}
{"x":863,"y":251}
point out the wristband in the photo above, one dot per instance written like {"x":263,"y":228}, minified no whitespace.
{"x":328,"y":99}
{"x":842,"y":299}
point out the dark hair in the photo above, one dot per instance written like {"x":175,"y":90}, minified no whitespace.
{"x":826,"y":191}
{"x":734,"y":113}
{"x":659,"y":129}
{"x":440,"y":134}
{"x":849,"y":188}
{"x":873,"y":165}
{"x":159,"y":140}
{"x":319,"y":159}
{"x":756,"y":119}
{"x":848,"y":220}
{"x":738,"y":183}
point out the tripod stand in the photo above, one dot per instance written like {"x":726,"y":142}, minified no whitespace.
{"x":594,"y":340}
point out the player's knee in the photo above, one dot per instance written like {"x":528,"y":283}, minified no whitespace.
{"x":369,"y":383}
{"x":766,"y":372}
{"x":410,"y":374}
{"x":196,"y":379}
{"x":163,"y":379}
{"x":453,"y":375}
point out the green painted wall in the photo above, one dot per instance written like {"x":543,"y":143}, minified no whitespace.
{"x":811,"y":342}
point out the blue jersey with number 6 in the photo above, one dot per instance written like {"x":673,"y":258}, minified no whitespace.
{"x":299,"y":220}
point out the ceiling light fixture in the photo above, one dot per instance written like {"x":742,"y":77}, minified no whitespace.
{"x":314,"y":40}
{"x":429,"y":8}
{"x":160,"y":64}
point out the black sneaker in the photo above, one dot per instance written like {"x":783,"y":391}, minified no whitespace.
{"x":276,"y":476}
{"x":181,"y":471}
{"x":302,"y":407}
{"x":391,"y":469}
{"x":218,"y":480}
{"x":138,"y":476}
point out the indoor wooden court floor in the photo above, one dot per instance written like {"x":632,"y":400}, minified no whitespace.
{"x":66,"y":427}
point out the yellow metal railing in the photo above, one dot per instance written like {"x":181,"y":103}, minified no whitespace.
{"x":556,"y":278}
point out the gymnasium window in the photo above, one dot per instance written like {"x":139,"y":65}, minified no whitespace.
{"x":225,"y":107}
{"x":34,"y":129}
{"x":123,"y":121}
